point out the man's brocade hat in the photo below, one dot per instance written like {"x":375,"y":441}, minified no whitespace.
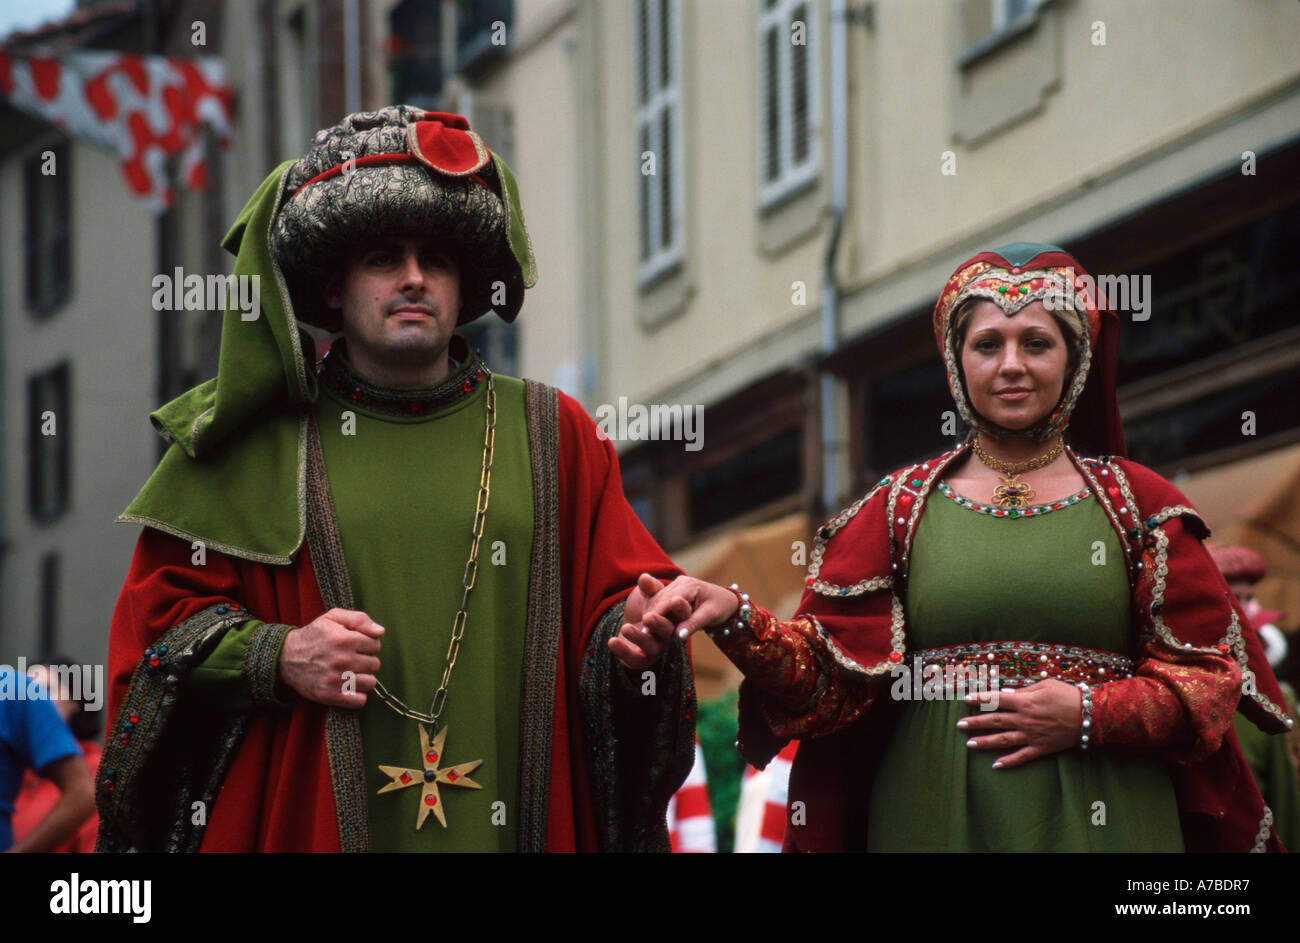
{"x":1012,"y":277}
{"x":403,"y":171}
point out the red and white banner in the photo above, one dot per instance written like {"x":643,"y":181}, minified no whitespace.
{"x":690,"y":818}
{"x":760,"y":816}
{"x":141,"y":109}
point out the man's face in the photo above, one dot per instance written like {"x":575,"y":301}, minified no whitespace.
{"x":399,"y":301}
{"x":1244,"y":590}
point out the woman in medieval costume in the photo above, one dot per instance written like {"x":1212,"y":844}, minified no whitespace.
{"x":1034,"y":564}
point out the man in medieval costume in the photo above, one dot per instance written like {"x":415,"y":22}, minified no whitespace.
{"x":375,"y":599}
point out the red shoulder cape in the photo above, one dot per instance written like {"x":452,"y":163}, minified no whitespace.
{"x":1178,"y":595}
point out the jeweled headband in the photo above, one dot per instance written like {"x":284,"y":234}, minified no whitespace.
{"x":1013,"y":277}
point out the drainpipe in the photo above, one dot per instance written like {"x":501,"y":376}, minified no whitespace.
{"x":832,"y":445}
{"x":351,"y":57}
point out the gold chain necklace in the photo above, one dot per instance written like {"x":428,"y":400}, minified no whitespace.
{"x":1014,"y":493}
{"x":431,"y":738}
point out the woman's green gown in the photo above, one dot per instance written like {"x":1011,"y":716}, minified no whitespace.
{"x":1056,"y":577}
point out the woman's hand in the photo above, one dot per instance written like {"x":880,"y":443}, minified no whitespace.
{"x":689,"y":605}
{"x":654,"y":611}
{"x":1041,"y":719}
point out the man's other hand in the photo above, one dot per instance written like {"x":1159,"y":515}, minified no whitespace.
{"x":333,"y":659}
{"x":638,"y":646}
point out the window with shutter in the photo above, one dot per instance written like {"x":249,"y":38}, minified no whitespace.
{"x":986,"y":24}
{"x":787,"y":99}
{"x":48,"y":435}
{"x":48,"y":603}
{"x":1007,"y":12}
{"x":990,"y":91}
{"x":659,"y":137}
{"x":47,"y":244}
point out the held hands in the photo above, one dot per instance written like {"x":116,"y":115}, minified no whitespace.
{"x":653,"y":611}
{"x":1041,"y":719}
{"x":315,"y":658}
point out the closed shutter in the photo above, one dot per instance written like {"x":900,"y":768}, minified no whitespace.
{"x":787,"y":99}
{"x":659,"y":134}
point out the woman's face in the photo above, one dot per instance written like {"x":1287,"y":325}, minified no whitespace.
{"x":1014,"y":366}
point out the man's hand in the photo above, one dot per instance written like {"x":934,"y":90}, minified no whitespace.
{"x":637,"y":646}
{"x":314,"y":658}
{"x":1040,"y":720}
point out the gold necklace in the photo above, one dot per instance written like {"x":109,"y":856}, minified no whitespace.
{"x":1014,"y":493}
{"x":431,"y":738}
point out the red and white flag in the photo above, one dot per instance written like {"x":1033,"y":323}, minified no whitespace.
{"x":760,"y":816}
{"x":142,"y":109}
{"x":690,"y":818}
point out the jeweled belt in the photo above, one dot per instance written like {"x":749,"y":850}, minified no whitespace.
{"x":1016,"y":664}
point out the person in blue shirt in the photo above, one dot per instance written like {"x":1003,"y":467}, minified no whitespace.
{"x":34,"y":735}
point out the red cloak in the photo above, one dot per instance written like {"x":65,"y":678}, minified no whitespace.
{"x":816,"y":677}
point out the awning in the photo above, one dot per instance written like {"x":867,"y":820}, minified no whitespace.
{"x":1256,"y":502}
{"x":762,"y":560}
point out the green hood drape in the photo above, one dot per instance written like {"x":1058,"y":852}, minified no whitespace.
{"x":238,"y":493}
{"x":235,"y":474}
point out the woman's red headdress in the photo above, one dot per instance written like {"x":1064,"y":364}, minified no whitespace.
{"x":1013,"y":276}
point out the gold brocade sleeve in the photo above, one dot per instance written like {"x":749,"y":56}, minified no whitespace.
{"x":1182,"y":707}
{"x":807,"y":692}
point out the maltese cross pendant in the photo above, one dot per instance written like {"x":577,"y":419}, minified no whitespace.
{"x":429,"y":777}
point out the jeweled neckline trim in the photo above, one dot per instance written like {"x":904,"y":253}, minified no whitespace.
{"x":338,"y":374}
{"x":1034,"y":510}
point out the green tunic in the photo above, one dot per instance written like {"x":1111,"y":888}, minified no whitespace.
{"x":979,"y":578}
{"x":383,"y":523}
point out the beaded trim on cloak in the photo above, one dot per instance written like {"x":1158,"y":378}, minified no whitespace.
{"x":1230,"y":642}
{"x":1147,"y":536}
{"x":1265,"y":828}
{"x":875,"y":583}
{"x":337,"y":373}
{"x":828,"y":530}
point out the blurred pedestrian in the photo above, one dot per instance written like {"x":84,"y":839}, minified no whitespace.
{"x":34,"y":736}
{"x":38,"y":795}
